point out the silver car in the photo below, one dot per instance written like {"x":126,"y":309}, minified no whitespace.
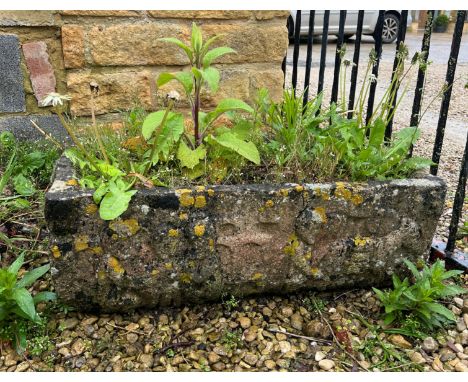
{"x":389,"y":32}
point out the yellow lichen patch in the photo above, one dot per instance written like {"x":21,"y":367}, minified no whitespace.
{"x":357,"y":199}
{"x":183,"y":216}
{"x":299,"y":188}
{"x":211,"y":192}
{"x":305,"y":194}
{"x":361,"y":241}
{"x":128,"y":227}
{"x":71,"y":182}
{"x":199,"y":230}
{"x":315,"y":272}
{"x":291,"y":248}
{"x":97,"y":250}
{"x":257,"y":276}
{"x":191,"y":264}
{"x":185,"y":278}
{"x":186,"y":200}
{"x":168,"y":266}
{"x":322,"y":194}
{"x":101,"y":275}
{"x":91,"y":209}
{"x":173,"y":232}
{"x":200,"y":188}
{"x":269,"y":203}
{"x":321,"y":212}
{"x":200,"y":201}
{"x":154,"y":272}
{"x":81,"y":243}
{"x":284,"y":192}
{"x":308,"y":255}
{"x":56,"y":252}
{"x":342,"y":192}
{"x":114,"y":236}
{"x":185,"y":197}
{"x":211,"y":244}
{"x":115,"y":265}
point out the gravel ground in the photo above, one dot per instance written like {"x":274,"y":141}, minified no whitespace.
{"x":305,"y":332}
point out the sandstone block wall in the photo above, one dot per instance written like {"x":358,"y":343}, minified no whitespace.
{"x":120,"y":51}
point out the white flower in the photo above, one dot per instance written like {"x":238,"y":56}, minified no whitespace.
{"x":173,"y":95}
{"x":54,"y":99}
{"x":372,"y":78}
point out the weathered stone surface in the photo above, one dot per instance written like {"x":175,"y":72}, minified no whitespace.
{"x":116,"y":90}
{"x":41,"y":72}
{"x":234,"y":14}
{"x":12,"y":97}
{"x":73,"y":46}
{"x":23,"y":129}
{"x":271,"y":79}
{"x":266,"y":15}
{"x":27,"y":18}
{"x":136,"y":44}
{"x":252,"y":42}
{"x":103,"y":13}
{"x":176,"y":246}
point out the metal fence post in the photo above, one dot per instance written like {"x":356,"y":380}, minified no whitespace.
{"x":451,"y":66}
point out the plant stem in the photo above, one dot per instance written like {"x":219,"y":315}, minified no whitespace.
{"x":156,"y":135}
{"x":96,"y":131}
{"x":77,"y":142}
{"x":196,"y":112}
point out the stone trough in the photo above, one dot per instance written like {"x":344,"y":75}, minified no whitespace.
{"x":176,"y":246}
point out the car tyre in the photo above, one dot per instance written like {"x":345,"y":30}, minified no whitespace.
{"x":391,"y":25}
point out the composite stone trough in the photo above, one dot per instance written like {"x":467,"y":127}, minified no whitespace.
{"x":176,"y":246}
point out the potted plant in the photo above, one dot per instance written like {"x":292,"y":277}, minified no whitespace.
{"x":240,"y":199}
{"x":441,"y":23}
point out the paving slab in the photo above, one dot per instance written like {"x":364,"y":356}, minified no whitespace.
{"x":23,"y":129}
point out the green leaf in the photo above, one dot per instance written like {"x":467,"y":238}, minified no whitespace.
{"x":108,"y":169}
{"x":197,"y":39}
{"x":100,"y":192}
{"x":23,"y":185}
{"x":211,"y":76}
{"x":412,"y":268}
{"x":226,"y":105}
{"x":440,"y":309}
{"x":8,"y":171}
{"x":29,"y":278}
{"x":44,"y":296}
{"x":213,"y":54}
{"x":377,"y":133}
{"x":25,"y":303}
{"x":180,"y":44}
{"x":246,"y":149}
{"x":17,"y":264}
{"x":185,"y":79}
{"x":151,"y":122}
{"x":115,"y":203}
{"x":169,"y":136}
{"x":190,"y":158}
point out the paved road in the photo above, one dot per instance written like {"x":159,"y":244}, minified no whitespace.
{"x":439,"y":50}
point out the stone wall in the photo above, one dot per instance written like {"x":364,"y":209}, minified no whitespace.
{"x":42,"y":51}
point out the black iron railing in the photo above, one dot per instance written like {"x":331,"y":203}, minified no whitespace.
{"x":417,"y":102}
